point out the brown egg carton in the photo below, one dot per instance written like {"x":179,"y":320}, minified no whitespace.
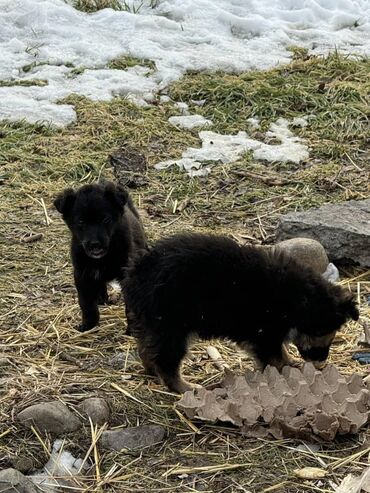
{"x":297,"y":403}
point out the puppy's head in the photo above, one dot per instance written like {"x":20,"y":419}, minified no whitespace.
{"x":313,"y":339}
{"x":93,"y":213}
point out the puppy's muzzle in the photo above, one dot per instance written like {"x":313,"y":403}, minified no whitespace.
{"x":95,"y":250}
{"x":319,"y":365}
{"x":316,"y":355}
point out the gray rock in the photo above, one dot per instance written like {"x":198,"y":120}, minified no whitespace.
{"x":137,"y":437}
{"x":4,"y":368}
{"x":121,"y":360}
{"x":97,"y":409}
{"x":53,"y":417}
{"x":13,"y":481}
{"x":4,"y":361}
{"x":305,"y":251}
{"x":22,"y":464}
{"x":118,"y":361}
{"x":343,"y":229}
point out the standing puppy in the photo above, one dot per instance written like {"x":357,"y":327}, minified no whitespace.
{"x":211,"y":287}
{"x":106,"y":232}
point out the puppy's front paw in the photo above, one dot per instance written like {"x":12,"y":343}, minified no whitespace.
{"x":84,"y":327}
{"x":184,"y":386}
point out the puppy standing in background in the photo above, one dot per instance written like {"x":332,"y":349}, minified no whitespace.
{"x":211,"y":287}
{"x":106,"y":233}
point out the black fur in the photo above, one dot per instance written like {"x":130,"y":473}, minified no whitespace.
{"x":211,"y":287}
{"x":106,"y":233}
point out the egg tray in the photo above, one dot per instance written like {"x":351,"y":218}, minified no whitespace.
{"x":297,"y":403}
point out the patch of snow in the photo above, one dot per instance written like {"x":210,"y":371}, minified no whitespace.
{"x":182,"y":107}
{"x":59,"y":470}
{"x":253,"y":122}
{"x":198,"y":102}
{"x":190,"y":121}
{"x":300,"y":121}
{"x":332,"y":273}
{"x":229,"y":148}
{"x":164,"y":99}
{"x":291,"y":148}
{"x":39,"y":102}
{"x":178,"y":35}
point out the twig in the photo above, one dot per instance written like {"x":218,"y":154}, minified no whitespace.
{"x":32,"y":238}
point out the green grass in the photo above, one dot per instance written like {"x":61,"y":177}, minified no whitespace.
{"x":124,"y":62}
{"x":90,"y":6}
{"x":24,"y":83}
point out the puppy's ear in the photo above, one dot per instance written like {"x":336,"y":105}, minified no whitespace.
{"x":64,"y":201}
{"x":116,"y":194}
{"x":346,"y":304}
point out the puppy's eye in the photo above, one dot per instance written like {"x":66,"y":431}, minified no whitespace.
{"x":80,"y":222}
{"x":107,"y":220}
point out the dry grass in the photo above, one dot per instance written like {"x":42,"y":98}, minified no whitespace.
{"x":48,"y":359}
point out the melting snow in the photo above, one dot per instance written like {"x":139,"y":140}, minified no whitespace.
{"x":47,"y":36}
{"x":190,"y":121}
{"x":229,"y":148}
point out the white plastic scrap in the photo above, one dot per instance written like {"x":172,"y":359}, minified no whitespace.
{"x":59,"y":470}
{"x":355,"y":484}
{"x":331,"y":274}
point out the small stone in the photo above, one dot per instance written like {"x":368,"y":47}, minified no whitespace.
{"x":118,"y":361}
{"x":121,"y":360}
{"x":23,"y":464}
{"x":13,"y":481}
{"x":137,"y":437}
{"x":97,"y":409}
{"x":4,"y":361}
{"x":53,"y":417}
{"x":306,"y":252}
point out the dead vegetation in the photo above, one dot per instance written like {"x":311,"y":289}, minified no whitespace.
{"x":48,"y":359}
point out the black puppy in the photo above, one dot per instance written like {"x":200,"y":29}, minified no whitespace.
{"x":106,"y":233}
{"x":211,"y":287}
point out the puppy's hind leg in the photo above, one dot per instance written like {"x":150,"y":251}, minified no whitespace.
{"x":146,"y":357}
{"x":132,"y":326}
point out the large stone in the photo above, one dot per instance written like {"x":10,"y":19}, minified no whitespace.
{"x":13,"y":481}
{"x":343,"y":229}
{"x":306,"y":252}
{"x":53,"y":417}
{"x":96,"y":409}
{"x":137,"y":437}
